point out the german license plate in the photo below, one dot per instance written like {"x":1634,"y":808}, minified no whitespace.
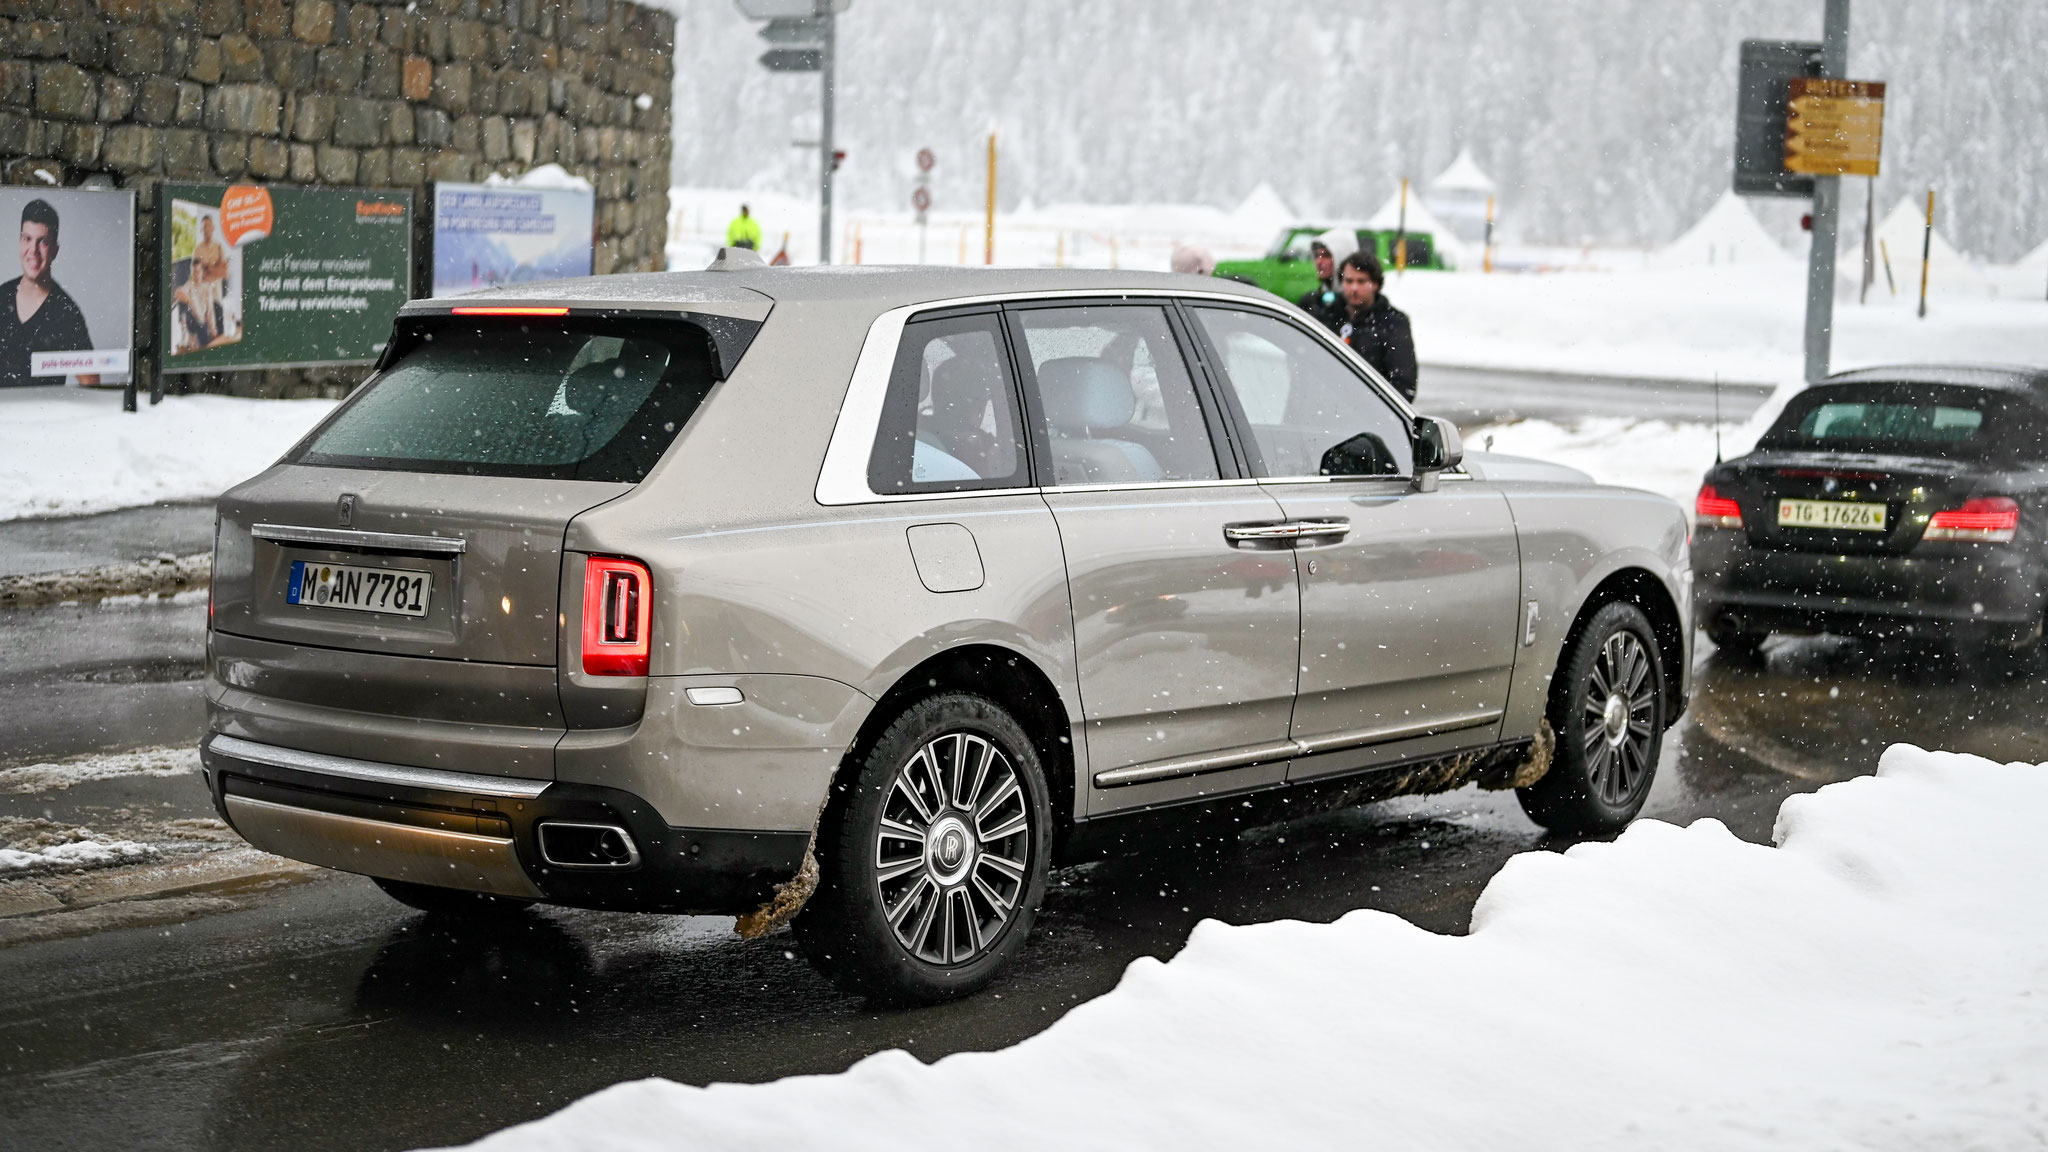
{"x":1831,"y":514}
{"x":398,"y":591}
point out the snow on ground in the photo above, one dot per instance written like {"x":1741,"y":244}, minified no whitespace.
{"x":1682,"y":313}
{"x":1668,"y":459}
{"x":1743,"y":322}
{"x":69,"y":451}
{"x":55,"y":776}
{"x":1874,"y":981}
{"x":78,"y":849}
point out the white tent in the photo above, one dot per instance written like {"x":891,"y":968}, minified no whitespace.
{"x":1420,"y":219}
{"x":1727,"y":234}
{"x":1262,"y":211}
{"x":1459,"y":196}
{"x":1900,"y":235}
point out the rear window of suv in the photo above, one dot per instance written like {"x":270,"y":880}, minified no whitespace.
{"x":563,"y":399}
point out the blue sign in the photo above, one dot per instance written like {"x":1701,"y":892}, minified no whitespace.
{"x":487,"y":236}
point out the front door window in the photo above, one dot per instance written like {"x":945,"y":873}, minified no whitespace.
{"x":1309,"y":413}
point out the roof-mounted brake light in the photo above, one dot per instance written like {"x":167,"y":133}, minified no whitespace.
{"x":481,"y":311}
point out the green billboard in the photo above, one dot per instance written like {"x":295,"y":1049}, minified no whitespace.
{"x":276,"y":276}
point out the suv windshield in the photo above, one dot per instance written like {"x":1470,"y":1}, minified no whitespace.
{"x":567,"y":399}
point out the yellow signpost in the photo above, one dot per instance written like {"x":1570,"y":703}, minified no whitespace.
{"x":1834,"y":127}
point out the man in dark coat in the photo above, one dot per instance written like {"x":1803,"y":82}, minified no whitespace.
{"x":1374,"y":328}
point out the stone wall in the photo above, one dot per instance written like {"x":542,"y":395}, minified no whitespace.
{"x":376,"y":93}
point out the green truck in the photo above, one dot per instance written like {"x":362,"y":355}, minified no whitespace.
{"x":1288,"y":271}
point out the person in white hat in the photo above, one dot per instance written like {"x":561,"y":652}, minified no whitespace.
{"x":1326,"y":301}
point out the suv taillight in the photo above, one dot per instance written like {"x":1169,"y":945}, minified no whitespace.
{"x":616,"y":614}
{"x":1713,"y":510}
{"x":1994,"y":519}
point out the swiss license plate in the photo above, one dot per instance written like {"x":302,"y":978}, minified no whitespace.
{"x":1838,"y":514}
{"x":398,"y":591}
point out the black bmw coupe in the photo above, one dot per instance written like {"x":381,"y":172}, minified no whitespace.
{"x":1892,"y":503}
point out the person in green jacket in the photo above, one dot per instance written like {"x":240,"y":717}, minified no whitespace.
{"x":744,"y":231}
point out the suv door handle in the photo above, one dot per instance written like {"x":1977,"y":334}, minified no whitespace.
{"x":1317,"y":531}
{"x":1262,"y":530}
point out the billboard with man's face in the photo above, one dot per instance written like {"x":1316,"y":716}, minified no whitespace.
{"x":68,"y":312}
{"x":271,"y":276}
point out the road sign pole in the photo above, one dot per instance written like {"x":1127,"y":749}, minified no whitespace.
{"x":1827,"y":203}
{"x":826,"y":156}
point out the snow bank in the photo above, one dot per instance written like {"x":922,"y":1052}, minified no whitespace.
{"x":72,"y":855}
{"x":1875,"y":981}
{"x":69,"y":451}
{"x":57,"y":775}
{"x":1743,"y":323}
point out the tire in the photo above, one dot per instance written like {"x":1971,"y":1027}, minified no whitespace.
{"x":1745,"y":648}
{"x":451,"y":901}
{"x":929,"y":823}
{"x":1607,"y":707}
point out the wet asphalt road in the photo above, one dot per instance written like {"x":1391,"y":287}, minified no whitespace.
{"x":322,"y":1015}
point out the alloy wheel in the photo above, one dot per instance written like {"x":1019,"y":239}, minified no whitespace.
{"x":1618,"y":714}
{"x":953,"y":850}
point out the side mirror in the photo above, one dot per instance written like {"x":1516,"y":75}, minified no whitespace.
{"x":1438,"y":448}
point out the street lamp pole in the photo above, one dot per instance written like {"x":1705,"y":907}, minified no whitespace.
{"x":827,"y":157}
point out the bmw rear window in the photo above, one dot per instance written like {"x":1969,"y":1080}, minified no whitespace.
{"x":563,"y":398}
{"x":1960,"y":423}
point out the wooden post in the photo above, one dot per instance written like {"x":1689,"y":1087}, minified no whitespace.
{"x":1401,"y":232}
{"x":1926,"y":252}
{"x":1488,"y":265}
{"x":1060,"y":254}
{"x":988,"y":233}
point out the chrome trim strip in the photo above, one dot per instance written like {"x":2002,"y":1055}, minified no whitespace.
{"x":350,"y":538}
{"x":1288,"y":749}
{"x":1338,"y":741}
{"x":513,"y":787}
{"x":434,"y":856}
{"x":1194,"y":765}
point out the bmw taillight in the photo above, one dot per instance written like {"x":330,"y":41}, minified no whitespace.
{"x":1713,"y":510}
{"x":1992,"y":519}
{"x":617,"y":610}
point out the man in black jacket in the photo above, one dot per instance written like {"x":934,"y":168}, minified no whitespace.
{"x":1374,"y":328}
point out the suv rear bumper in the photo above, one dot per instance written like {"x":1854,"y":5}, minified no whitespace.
{"x":482,"y":833}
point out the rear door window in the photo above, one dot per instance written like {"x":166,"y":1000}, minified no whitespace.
{"x":949,"y":422}
{"x":1117,"y":401}
{"x":1308,"y":412}
{"x":567,"y":399}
